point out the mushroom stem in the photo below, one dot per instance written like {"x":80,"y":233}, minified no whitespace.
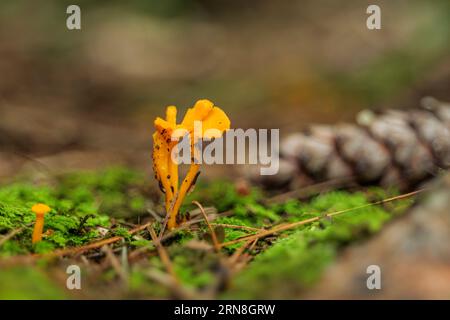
{"x":185,"y":187}
{"x":171,"y":117}
{"x":166,"y":170}
{"x":40,"y":210}
{"x":161,"y":160}
{"x":169,"y":194}
{"x":38,"y":228}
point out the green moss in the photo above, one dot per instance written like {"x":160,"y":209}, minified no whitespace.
{"x":284,"y":265}
{"x":182,"y":236}
{"x":283,"y":270}
{"x":28,"y":283}
{"x":141,"y":286}
{"x":232,"y":233}
{"x":191,"y":273}
{"x":81,"y":202}
{"x":44,"y":247}
{"x":141,"y":243}
{"x":192,"y":268}
{"x":223,"y":195}
{"x":299,"y":256}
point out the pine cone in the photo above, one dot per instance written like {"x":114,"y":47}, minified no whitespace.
{"x":390,"y":148}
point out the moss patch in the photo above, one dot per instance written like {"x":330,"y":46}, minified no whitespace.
{"x":81,"y":203}
{"x":283,"y":265}
{"x":297,"y":259}
{"x":27,"y":283}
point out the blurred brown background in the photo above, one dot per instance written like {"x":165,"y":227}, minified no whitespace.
{"x":87,"y":98}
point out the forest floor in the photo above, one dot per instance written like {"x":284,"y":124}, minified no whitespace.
{"x":247,"y":245}
{"x":75,"y":133}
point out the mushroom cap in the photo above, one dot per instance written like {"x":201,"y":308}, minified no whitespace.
{"x":213,"y":119}
{"x":40,"y":208}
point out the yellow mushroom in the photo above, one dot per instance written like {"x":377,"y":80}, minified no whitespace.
{"x":40,"y":210}
{"x":161,"y":157}
{"x":171,"y":117}
{"x":211,"y":117}
{"x":166,"y":171}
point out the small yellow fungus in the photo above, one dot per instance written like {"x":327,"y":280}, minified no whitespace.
{"x":40,"y":210}
{"x":166,"y":171}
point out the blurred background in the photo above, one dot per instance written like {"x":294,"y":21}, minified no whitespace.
{"x":87,"y":98}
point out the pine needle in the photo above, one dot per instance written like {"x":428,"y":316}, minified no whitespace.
{"x":233,"y":226}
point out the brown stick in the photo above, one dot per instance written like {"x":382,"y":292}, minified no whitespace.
{"x":253,"y":244}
